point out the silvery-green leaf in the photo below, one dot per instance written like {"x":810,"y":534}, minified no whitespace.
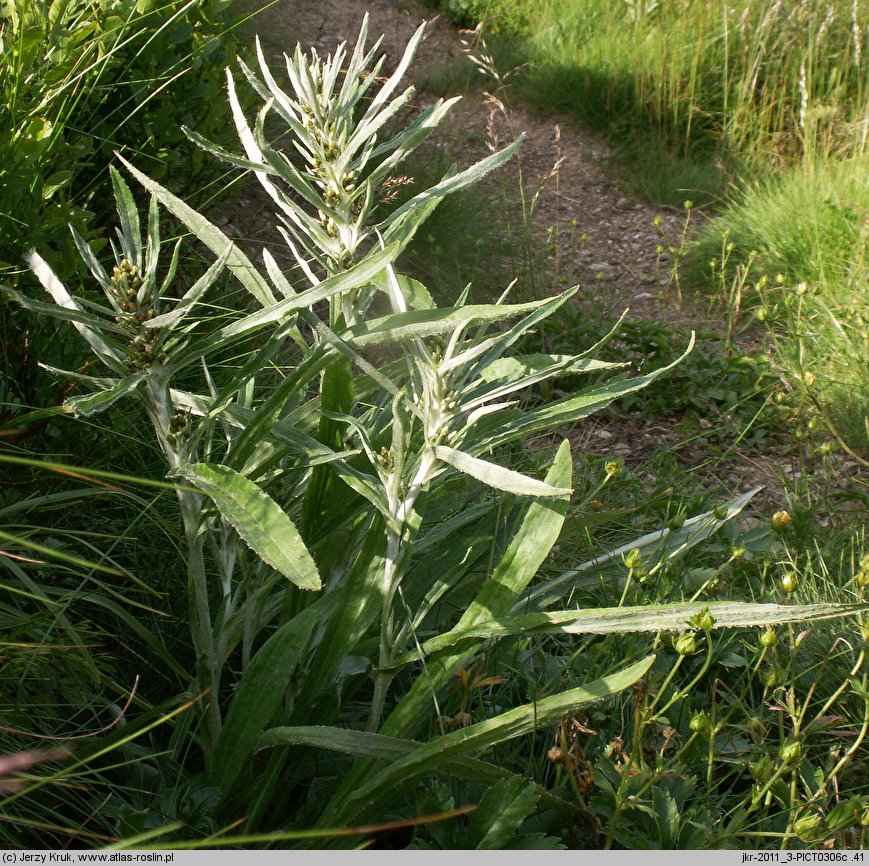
{"x":418,"y":324}
{"x":520,"y":366}
{"x":192,"y":295}
{"x":647,"y":618}
{"x":110,"y":356}
{"x":258,"y":519}
{"x":452,"y":184}
{"x":527,"y":550}
{"x":131,"y":232}
{"x":409,"y":138}
{"x":659,"y":547}
{"x":570,"y":409}
{"x":238,"y":263}
{"x":497,"y":476}
{"x":90,"y":404}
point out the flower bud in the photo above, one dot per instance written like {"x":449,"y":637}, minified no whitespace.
{"x":807,"y":826}
{"x":780,"y":520}
{"x":768,"y":638}
{"x":685,"y":644}
{"x":790,"y":582}
{"x":791,"y":751}
{"x":699,"y":722}
{"x":633,"y":558}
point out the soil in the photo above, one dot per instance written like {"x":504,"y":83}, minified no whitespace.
{"x":596,"y":234}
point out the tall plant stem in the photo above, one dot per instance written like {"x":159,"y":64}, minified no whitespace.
{"x":190,"y":503}
{"x":383,"y":677}
{"x":398,"y":542}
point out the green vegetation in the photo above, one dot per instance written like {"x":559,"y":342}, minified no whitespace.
{"x":759,"y":107}
{"x":304,"y":550}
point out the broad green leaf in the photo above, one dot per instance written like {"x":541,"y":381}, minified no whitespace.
{"x":336,"y":395}
{"x":497,"y":476}
{"x":377,"y":747}
{"x":648,"y":618}
{"x":483,"y":735}
{"x":416,"y":295}
{"x":357,"y":608}
{"x":90,"y":404}
{"x":237,"y":262}
{"x":258,"y":696}
{"x":258,"y":519}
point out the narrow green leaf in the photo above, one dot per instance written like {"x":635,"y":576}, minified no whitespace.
{"x":237,"y":262}
{"x":258,"y":696}
{"x":497,"y":476}
{"x":648,"y":618}
{"x":663,"y":545}
{"x":482,"y":735}
{"x":377,"y":747}
{"x":258,"y":519}
{"x":90,"y":404}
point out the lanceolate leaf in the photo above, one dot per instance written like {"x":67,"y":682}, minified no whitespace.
{"x":528,"y":549}
{"x":210,"y":235}
{"x":417,"y":324}
{"x":90,"y":404}
{"x":661,"y":546}
{"x":482,"y":735}
{"x":654,"y":618}
{"x":453,"y":184}
{"x":62,"y":298}
{"x":259,"y":695}
{"x":510,"y":426}
{"x":497,"y":476}
{"x":376,"y":746}
{"x":258,"y":519}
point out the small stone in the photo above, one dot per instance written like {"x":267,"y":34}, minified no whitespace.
{"x":600,"y":267}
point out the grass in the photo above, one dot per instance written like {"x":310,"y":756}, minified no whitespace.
{"x":759,"y":110}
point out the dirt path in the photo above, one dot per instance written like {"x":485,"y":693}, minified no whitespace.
{"x":604,"y":239}
{"x":596,"y":234}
